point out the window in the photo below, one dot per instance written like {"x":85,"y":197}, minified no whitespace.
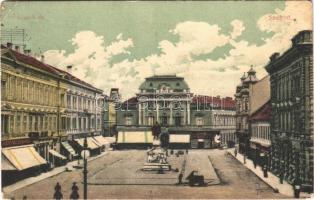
{"x":164,"y":120}
{"x":128,"y":121}
{"x":74,"y":103}
{"x":24,"y":123}
{"x":30,"y":123}
{"x":11,"y":124}
{"x":80,"y":123}
{"x":199,"y":121}
{"x":36,"y":123}
{"x":177,"y":120}
{"x":69,"y":101}
{"x":150,"y":120}
{"x":63,"y":123}
{"x":18,"y":123}
{"x":4,"y":124}
{"x":62,"y":100}
{"x":3,"y":91}
{"x":68,"y":125}
{"x":74,"y":123}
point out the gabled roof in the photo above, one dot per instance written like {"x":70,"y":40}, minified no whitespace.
{"x":32,"y":61}
{"x":263,"y":113}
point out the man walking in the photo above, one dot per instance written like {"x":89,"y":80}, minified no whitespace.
{"x":58,"y":194}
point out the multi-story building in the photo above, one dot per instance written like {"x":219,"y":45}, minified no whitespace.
{"x":41,"y":106}
{"x":110,"y":117}
{"x":243,"y":111}
{"x":32,"y":102}
{"x":167,"y":100}
{"x":84,"y":111}
{"x":260,"y":135}
{"x":291,"y":77}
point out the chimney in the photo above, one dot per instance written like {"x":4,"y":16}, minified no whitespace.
{"x":42,"y":58}
{"x":69,"y":69}
{"x":27,"y":52}
{"x":17,"y":48}
{"x":274,"y":56}
{"x":9,"y":45}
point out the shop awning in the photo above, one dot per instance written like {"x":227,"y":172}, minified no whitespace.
{"x":179,"y":138}
{"x":110,"y":139}
{"x":91,"y":144}
{"x":135,"y":137}
{"x":69,"y":148}
{"x":101,"y":140}
{"x":57,"y":154}
{"x":6,"y":164}
{"x":23,"y":157}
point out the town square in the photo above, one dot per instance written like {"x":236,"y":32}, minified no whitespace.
{"x":157,"y":100}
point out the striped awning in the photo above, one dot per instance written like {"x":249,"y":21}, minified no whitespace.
{"x":91,"y":143}
{"x":135,"y":137}
{"x":6,"y":164}
{"x":69,"y":148}
{"x":179,"y":138}
{"x":23,"y":157}
{"x":57,"y":154}
{"x":101,"y":140}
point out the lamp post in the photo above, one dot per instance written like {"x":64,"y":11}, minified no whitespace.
{"x":85,"y":154}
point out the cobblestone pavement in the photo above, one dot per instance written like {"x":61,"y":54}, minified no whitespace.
{"x":235,"y":180}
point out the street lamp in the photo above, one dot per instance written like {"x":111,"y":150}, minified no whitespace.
{"x":85,"y":154}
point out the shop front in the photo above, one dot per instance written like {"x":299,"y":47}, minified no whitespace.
{"x":20,"y":162}
{"x":203,"y":140}
{"x":135,"y":139}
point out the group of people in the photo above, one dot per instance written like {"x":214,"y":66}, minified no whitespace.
{"x":58,"y":192}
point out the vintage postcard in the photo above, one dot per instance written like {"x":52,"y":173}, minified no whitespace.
{"x":156,"y":100}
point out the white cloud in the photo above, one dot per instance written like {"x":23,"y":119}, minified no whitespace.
{"x":238,"y":28}
{"x":212,"y":77}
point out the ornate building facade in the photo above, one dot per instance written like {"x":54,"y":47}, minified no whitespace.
{"x":44,"y":106}
{"x":243,"y":110}
{"x":291,"y":77}
{"x":167,"y":100}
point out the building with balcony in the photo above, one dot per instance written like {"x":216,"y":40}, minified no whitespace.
{"x":41,"y":108}
{"x":167,"y":100}
{"x":291,"y":79}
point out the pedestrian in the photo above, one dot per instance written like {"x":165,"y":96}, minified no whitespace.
{"x":180,"y":178}
{"x":281,"y":176}
{"x":186,"y":151}
{"x":58,"y":194}
{"x":74,"y":194}
{"x":297,"y":188}
{"x":235,"y":152}
{"x":255,"y":163}
{"x":265,"y":171}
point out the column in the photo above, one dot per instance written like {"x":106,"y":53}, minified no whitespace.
{"x":184,"y":115}
{"x":189,"y":113}
{"x":157,"y":110}
{"x":171,"y":121}
{"x":139,"y":114}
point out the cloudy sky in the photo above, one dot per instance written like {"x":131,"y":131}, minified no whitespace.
{"x":118,"y":44}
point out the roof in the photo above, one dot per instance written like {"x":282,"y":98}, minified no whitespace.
{"x":32,"y":61}
{"x":263,"y":113}
{"x":226,"y":102}
{"x":132,"y":100}
{"x":156,"y":82}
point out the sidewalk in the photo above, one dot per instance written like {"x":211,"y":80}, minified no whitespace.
{"x":31,"y":180}
{"x":271,"y":180}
